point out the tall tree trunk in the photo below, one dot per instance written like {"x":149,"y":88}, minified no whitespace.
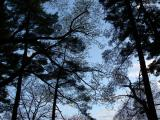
{"x":56,"y":89}
{"x":24,"y":63}
{"x":55,"y":99}
{"x":19,"y":84}
{"x":17,"y":99}
{"x":151,"y":114}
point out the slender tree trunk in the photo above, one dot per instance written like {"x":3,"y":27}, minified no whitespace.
{"x":56,"y":90}
{"x":151,"y":114}
{"x":55,"y":98}
{"x":19,"y":85}
{"x":24,"y":63}
{"x":17,"y":99}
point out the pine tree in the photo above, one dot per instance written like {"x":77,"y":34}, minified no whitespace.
{"x":26,"y":21}
{"x":132,"y":20}
{"x":30,"y":45}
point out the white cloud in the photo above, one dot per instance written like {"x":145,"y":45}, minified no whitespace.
{"x":134,"y":70}
{"x":104,"y":114}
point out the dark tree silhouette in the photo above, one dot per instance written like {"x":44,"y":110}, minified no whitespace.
{"x":30,"y":45}
{"x":131,"y":19}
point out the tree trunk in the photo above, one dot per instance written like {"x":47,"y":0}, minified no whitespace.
{"x":19,"y":85}
{"x":17,"y":99}
{"x":151,"y":114}
{"x":55,"y":99}
{"x":24,"y":63}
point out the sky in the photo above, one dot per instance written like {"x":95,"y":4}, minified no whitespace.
{"x":100,"y":112}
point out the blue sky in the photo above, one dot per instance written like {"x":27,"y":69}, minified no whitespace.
{"x":99,"y":111}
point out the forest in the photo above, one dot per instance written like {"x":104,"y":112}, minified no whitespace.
{"x":79,"y":60}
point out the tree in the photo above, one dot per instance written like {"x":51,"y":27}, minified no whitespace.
{"x":120,"y":87}
{"x":31,"y":44}
{"x":34,"y":103}
{"x":13,"y":67}
{"x":131,"y":25}
{"x":134,"y":106}
{"x":130,"y":111}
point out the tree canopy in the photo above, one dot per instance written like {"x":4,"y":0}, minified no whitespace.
{"x":44,"y":47}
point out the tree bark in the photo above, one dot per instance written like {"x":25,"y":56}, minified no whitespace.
{"x":55,"y":98}
{"x":19,"y":85}
{"x":17,"y":99}
{"x":151,"y":114}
